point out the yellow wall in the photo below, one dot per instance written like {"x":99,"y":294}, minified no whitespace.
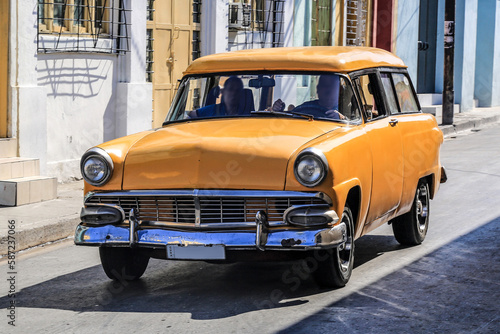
{"x":4,"y":65}
{"x":172,"y":28}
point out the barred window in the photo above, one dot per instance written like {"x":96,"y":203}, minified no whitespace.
{"x":245,"y":14}
{"x":196,"y":45}
{"x":255,"y":23}
{"x":196,"y":11}
{"x":91,"y":25}
{"x":150,"y":10}
{"x":196,"y":41}
{"x":355,"y":22}
{"x":149,"y":55}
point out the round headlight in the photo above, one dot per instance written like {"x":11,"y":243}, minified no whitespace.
{"x":96,"y":166}
{"x":311,"y":167}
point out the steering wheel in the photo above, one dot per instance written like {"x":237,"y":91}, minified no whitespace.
{"x":313,"y":109}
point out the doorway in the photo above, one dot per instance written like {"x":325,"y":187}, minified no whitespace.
{"x":427,"y":46}
{"x":173,"y":29}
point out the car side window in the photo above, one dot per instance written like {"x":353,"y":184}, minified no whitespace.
{"x":404,"y":93}
{"x":392,"y":104}
{"x":366,"y":85}
{"x":347,"y":101}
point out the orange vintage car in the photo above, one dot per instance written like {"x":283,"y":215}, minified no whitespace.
{"x":268,"y":154}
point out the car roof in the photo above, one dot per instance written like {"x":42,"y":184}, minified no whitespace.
{"x":341,"y":59}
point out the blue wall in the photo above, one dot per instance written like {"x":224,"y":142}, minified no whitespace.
{"x":487,"y":76}
{"x":407,"y":35}
{"x":465,"y":52}
{"x":302,"y":23}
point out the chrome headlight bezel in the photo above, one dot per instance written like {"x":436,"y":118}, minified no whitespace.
{"x":319,"y":157}
{"x":102,"y":155}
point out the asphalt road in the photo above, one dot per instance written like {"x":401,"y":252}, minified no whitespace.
{"x":449,"y":284}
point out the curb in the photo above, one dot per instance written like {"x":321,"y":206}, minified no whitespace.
{"x":40,"y":233}
{"x":468,"y":125}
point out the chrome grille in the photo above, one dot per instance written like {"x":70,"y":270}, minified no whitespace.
{"x":213,"y":209}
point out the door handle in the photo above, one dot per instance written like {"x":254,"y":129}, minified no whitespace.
{"x":393,"y":121}
{"x":423,"y":46}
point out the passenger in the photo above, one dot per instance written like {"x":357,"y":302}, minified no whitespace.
{"x":232,"y":95}
{"x":328,"y":89}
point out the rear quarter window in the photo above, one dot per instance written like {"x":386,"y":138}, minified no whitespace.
{"x":404,"y":93}
{"x":392,"y":104}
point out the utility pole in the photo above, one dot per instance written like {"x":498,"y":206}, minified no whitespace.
{"x":449,"y":51}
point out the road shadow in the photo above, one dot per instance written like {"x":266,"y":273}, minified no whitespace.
{"x":206,"y":291}
{"x":370,"y":247}
{"x":455,"y":289}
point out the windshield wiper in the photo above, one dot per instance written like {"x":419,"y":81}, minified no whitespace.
{"x":285,"y":113}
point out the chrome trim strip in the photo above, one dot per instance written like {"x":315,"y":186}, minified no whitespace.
{"x":216,"y":193}
{"x":207,"y":225}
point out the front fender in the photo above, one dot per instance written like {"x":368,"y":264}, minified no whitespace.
{"x":341,"y":191}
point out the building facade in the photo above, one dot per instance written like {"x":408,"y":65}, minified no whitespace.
{"x":75,"y":73}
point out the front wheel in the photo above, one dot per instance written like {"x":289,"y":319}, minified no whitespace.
{"x":335,"y":270}
{"x":123,"y":263}
{"x":411,"y":228}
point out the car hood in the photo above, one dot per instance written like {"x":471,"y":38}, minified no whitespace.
{"x":214,"y":154}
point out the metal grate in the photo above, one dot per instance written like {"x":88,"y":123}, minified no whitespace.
{"x":196,"y":51}
{"x":150,"y":10}
{"x":149,"y":55}
{"x":255,"y":24}
{"x":355,"y":22}
{"x":212,"y":209}
{"x":196,"y":11}
{"x":83,"y":26}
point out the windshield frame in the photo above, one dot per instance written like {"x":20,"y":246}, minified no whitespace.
{"x":182,"y":90}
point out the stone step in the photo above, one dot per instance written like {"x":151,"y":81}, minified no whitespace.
{"x":26,"y":190}
{"x":13,"y":168}
{"x":438,"y":110}
{"x":8,"y":147}
{"x":430,"y":99}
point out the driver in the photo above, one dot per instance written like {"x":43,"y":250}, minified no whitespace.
{"x":328,"y":97}
{"x":232,"y":95}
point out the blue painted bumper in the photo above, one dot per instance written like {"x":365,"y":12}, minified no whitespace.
{"x":284,"y":239}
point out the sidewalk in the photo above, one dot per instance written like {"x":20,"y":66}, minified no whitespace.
{"x":471,"y":120}
{"x":39,"y":223}
{"x":49,"y":221}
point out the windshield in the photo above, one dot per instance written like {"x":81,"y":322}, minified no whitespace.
{"x":318,"y":96}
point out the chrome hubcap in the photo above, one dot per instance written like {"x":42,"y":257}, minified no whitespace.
{"x":422,"y":206}
{"x":344,"y":251}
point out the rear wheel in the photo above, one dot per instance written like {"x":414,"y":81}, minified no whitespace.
{"x":411,"y":228}
{"x":335,"y":270}
{"x":123,"y":263}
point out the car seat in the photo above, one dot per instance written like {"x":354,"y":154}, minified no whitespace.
{"x":247,"y":104}
{"x":212,"y":95}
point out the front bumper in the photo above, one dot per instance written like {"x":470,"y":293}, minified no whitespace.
{"x":307,"y":224}
{"x":110,"y":235}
